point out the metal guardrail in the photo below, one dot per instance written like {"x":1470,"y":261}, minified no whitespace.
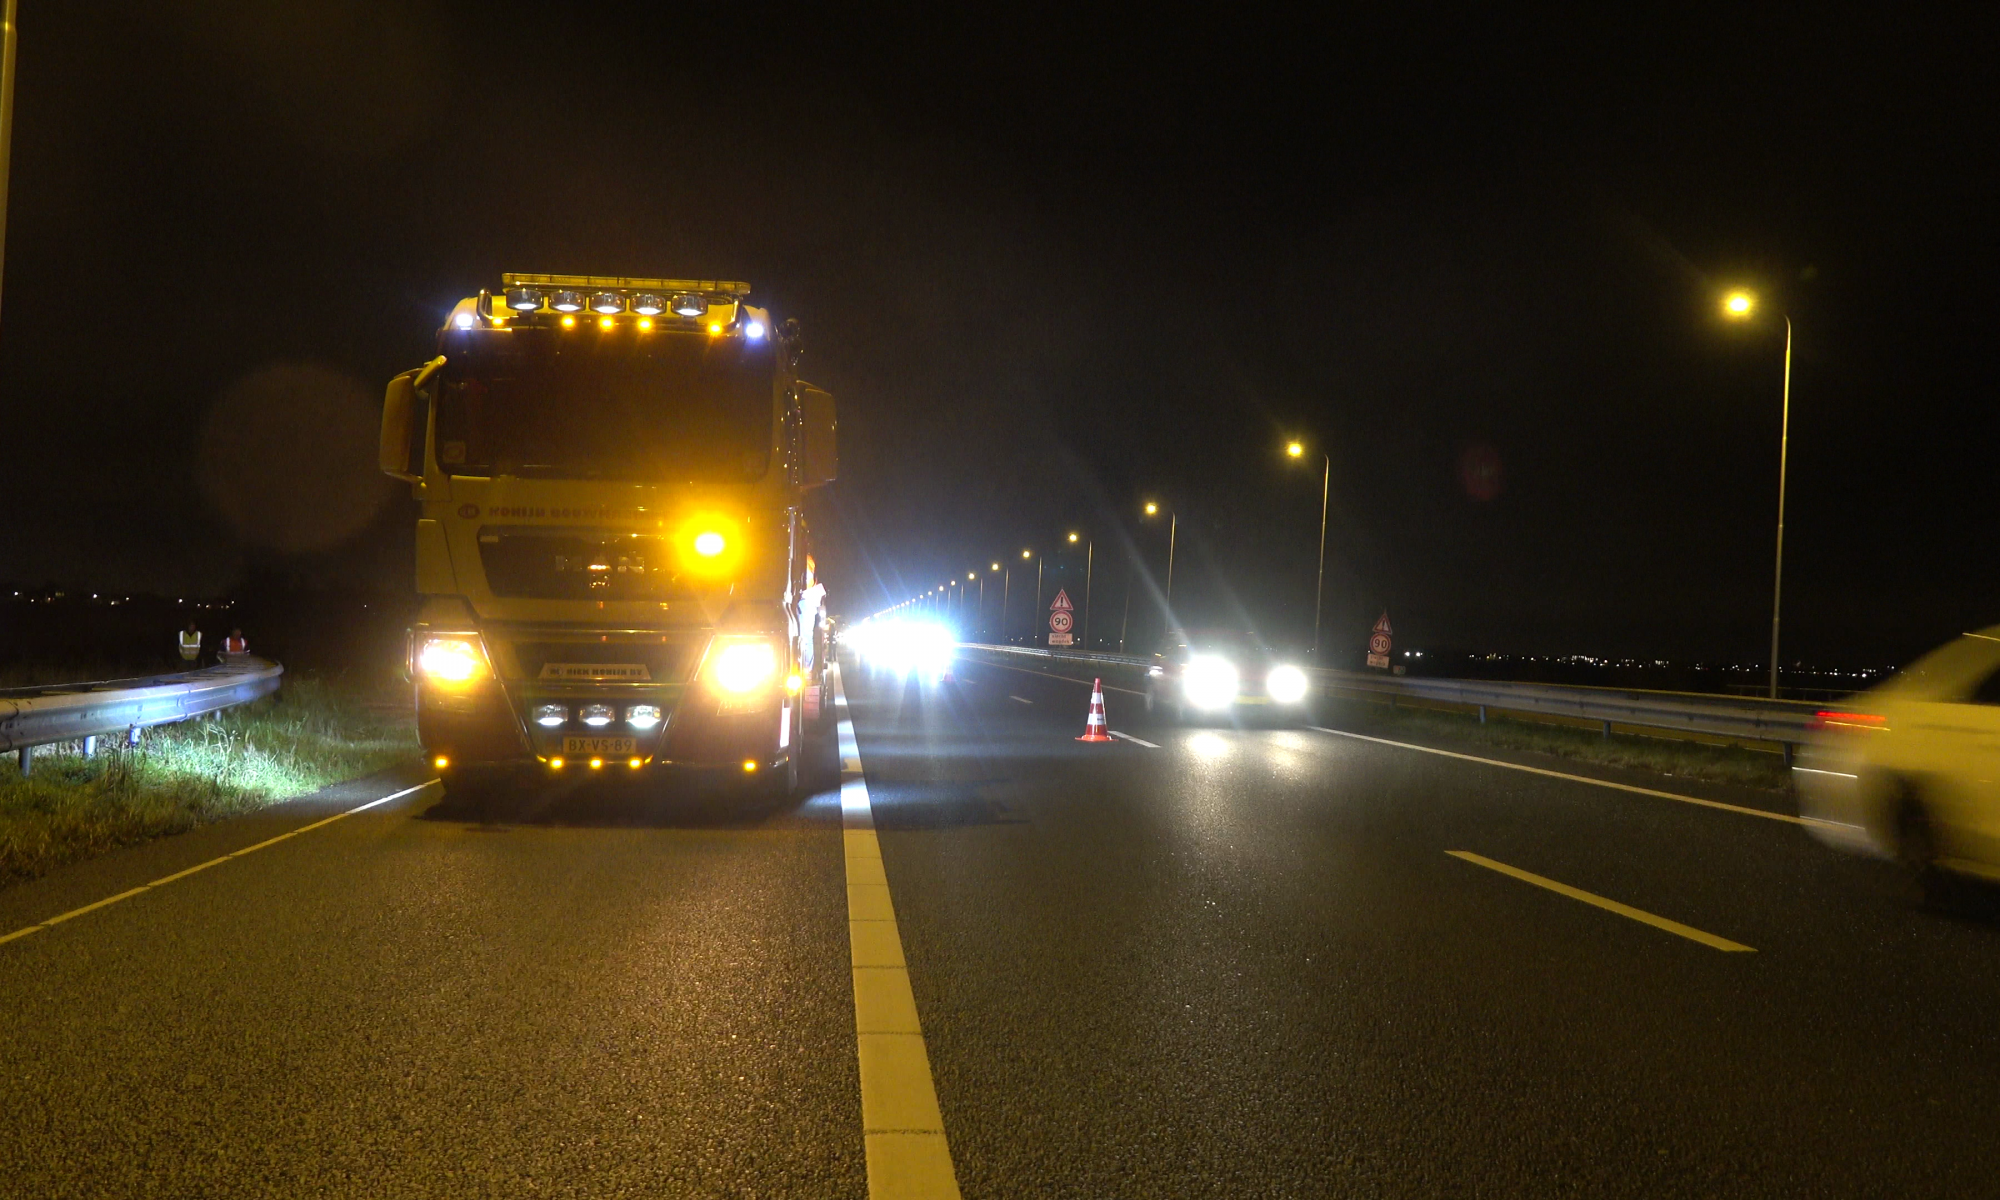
{"x":1784,"y":722}
{"x":68,"y":712}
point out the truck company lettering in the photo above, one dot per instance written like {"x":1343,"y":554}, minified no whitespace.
{"x":604,"y":513}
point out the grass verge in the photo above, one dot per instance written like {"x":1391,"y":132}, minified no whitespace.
{"x":1674,"y":757}
{"x":314,"y":732}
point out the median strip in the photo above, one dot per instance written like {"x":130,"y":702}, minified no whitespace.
{"x":183,"y":874}
{"x":902,"y":1127}
{"x":1624,"y":910}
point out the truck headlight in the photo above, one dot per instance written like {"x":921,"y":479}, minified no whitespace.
{"x":596,"y":715}
{"x":745,"y":666}
{"x":642,"y":716}
{"x":1287,"y":684}
{"x":450,"y":660}
{"x":548,"y":716}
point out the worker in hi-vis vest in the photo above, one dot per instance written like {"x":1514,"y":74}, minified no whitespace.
{"x":191,"y":645}
{"x":234,"y":644}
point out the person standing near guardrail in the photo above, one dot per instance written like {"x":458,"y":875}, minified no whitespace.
{"x":191,"y":646}
{"x":234,"y":646}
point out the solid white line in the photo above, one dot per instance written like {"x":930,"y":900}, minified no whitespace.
{"x":1603,"y":783}
{"x":183,"y":874}
{"x":1019,"y":700}
{"x":1128,"y":737}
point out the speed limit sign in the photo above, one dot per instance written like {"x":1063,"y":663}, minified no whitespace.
{"x":1059,"y":622}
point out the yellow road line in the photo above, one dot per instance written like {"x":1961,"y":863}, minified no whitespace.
{"x":1624,"y":910}
{"x":183,"y":874}
{"x":1623,"y":787}
{"x":902,"y":1128}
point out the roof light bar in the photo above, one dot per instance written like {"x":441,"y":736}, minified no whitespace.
{"x":646,"y":304}
{"x":607,"y":303}
{"x":524,"y":299}
{"x":566,"y":302}
{"x":687,"y":304}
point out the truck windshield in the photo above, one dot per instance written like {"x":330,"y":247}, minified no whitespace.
{"x":580,"y":404}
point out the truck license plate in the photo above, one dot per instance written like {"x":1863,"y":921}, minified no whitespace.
{"x":599,"y":745}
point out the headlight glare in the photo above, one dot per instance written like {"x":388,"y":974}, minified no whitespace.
{"x":450,"y":660}
{"x":1210,"y":681}
{"x":745,"y":666}
{"x":1286,"y":684}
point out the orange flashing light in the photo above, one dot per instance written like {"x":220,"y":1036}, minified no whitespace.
{"x":596,"y":764}
{"x":557,"y":763}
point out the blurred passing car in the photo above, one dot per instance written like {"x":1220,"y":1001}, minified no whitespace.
{"x":1221,"y":672}
{"x":1911,"y":770}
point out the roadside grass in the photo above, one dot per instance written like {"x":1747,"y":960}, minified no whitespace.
{"x":1656,"y":755}
{"x":314,"y":732}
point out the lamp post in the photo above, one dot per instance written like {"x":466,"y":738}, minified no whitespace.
{"x":1738,"y":306}
{"x":1089,"y":561}
{"x":1297,"y":449}
{"x":967,"y":594}
{"x":982,"y":594}
{"x":1173,"y":535}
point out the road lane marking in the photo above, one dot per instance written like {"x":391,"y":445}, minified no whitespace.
{"x":1019,"y":700}
{"x":902,"y":1128}
{"x":183,"y":874}
{"x":1624,"y":910}
{"x":1623,"y":787}
{"x":1138,"y":741}
{"x":1049,"y":675}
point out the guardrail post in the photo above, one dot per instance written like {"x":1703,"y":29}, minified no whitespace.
{"x":1482,"y":714}
{"x":26,"y":755}
{"x":132,"y":737}
{"x":90,"y":745}
{"x":1607,"y":729}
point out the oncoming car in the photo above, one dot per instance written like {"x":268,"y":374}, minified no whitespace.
{"x":1911,"y":770}
{"x":1219,"y":673}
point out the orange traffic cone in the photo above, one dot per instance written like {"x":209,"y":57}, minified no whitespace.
{"x":1094,"y":726}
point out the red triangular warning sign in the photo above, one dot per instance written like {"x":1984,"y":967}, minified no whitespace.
{"x":1382,"y":624}
{"x":1061,"y":601}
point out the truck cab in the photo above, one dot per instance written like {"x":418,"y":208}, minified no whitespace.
{"x":613,"y":561}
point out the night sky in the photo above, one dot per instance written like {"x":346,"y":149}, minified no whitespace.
{"x":1055,"y":265}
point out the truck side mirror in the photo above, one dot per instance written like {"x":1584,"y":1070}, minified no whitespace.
{"x":397,"y":408}
{"x":818,"y":458}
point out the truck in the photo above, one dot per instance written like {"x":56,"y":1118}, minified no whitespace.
{"x":614,"y":569}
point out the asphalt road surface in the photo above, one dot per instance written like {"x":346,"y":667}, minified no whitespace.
{"x":1234,"y":962}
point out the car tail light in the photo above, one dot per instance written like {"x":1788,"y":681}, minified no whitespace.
{"x":1849,"y":721}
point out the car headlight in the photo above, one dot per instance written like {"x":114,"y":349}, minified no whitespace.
{"x":1287,"y":685}
{"x":1210,"y":682}
{"x":450,"y":660}
{"x":745,"y":666}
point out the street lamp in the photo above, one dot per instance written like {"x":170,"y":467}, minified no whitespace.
{"x":1740,"y":305}
{"x":1297,"y":449}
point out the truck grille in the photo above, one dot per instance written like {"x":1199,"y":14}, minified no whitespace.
{"x":578,"y":565}
{"x":601,"y":662}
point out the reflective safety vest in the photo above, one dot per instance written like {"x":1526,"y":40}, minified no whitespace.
{"x":190,"y":644}
{"x":235,"y":645}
